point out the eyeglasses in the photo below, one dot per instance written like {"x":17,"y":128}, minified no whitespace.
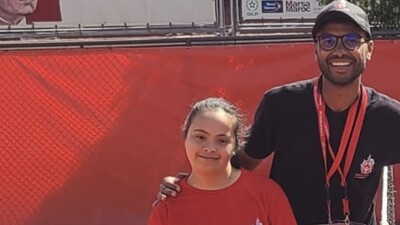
{"x":350,"y":41}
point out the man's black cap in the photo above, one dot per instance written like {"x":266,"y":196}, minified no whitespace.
{"x":342,"y":9}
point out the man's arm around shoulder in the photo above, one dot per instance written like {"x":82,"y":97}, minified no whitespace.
{"x":247,"y":162}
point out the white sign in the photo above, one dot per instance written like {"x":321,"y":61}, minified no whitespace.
{"x":107,"y":12}
{"x":279,"y":9}
{"x":138,"y":11}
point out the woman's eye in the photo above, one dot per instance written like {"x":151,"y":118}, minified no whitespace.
{"x":199,"y":137}
{"x":223,"y":141}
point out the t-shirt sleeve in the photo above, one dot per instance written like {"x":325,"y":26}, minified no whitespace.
{"x":261,"y":141}
{"x":393,"y":128}
{"x":159,"y":215}
{"x":279,"y":209}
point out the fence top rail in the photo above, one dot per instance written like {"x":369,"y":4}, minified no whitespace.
{"x":164,"y":35}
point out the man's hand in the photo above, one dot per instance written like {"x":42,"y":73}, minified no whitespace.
{"x":169,"y":187}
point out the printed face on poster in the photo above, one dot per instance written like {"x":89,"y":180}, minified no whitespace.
{"x":106,"y":12}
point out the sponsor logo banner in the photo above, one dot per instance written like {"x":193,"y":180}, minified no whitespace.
{"x":279,"y":9}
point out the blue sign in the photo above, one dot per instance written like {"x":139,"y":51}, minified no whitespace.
{"x":272,"y":6}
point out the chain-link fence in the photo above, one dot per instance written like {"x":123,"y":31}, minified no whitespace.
{"x":228,"y":28}
{"x":54,"y":110}
{"x":384,"y":15}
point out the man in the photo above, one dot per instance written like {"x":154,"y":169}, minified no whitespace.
{"x":331,"y":136}
{"x":13,"y":12}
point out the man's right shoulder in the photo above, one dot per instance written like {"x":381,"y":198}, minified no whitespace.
{"x":294,"y":88}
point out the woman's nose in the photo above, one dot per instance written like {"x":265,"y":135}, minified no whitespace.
{"x":209,"y":147}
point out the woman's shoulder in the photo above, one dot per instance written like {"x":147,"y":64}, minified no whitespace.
{"x":256,"y":179}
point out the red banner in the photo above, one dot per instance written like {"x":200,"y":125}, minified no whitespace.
{"x":86,"y":135}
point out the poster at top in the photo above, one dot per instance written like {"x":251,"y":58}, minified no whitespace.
{"x":17,"y":13}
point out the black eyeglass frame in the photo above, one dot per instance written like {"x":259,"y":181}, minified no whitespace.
{"x":344,"y":43}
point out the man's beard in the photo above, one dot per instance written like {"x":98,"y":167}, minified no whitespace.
{"x":337,"y":80}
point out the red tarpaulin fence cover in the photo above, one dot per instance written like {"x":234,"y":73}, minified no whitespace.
{"x":87,"y":134}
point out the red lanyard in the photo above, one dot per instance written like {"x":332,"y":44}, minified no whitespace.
{"x":350,"y":136}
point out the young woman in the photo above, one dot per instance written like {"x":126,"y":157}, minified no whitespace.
{"x":215,"y":192}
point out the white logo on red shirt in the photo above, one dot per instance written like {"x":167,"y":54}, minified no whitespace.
{"x":366,"y":168}
{"x":258,"y":222}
